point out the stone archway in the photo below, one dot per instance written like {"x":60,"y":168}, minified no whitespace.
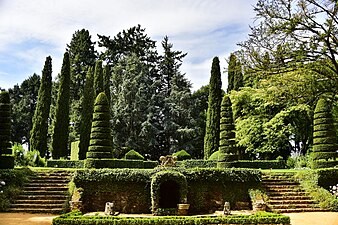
{"x":168,"y":188}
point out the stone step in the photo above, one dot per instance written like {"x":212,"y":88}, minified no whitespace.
{"x":46,"y":188}
{"x":274,"y":186}
{"x":36,"y":206}
{"x":37,"y":210}
{"x":48,"y":179}
{"x":287,"y":193}
{"x":40,"y":201}
{"x":293,"y":206}
{"x":45,"y":185}
{"x":291,"y":202}
{"x":42,"y":197}
{"x":286,"y":198}
{"x":277,"y":182}
{"x":299,"y":210}
{"x":44,"y":192}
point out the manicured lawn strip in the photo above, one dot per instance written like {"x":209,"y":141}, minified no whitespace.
{"x":259,"y":218}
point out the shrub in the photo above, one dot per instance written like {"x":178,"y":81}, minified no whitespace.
{"x":65,"y":163}
{"x":27,"y":158}
{"x":214,"y":156}
{"x":200,"y":163}
{"x":132,"y":154}
{"x":182,"y":155}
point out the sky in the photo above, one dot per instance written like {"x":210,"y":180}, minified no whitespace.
{"x":32,"y":30}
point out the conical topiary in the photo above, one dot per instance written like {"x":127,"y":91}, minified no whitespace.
{"x":227,"y":142}
{"x":100,"y":137}
{"x":5,"y":132}
{"x":324,"y":135}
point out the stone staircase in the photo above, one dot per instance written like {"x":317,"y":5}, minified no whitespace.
{"x":46,"y":192}
{"x":286,"y":195}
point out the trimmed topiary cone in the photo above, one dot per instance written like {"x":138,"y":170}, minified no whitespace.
{"x":100,"y":137}
{"x":324,"y":135}
{"x":6,"y":162}
{"x":227,"y":142}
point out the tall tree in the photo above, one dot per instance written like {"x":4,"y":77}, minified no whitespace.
{"x":82,"y":55}
{"x":294,"y":33}
{"x":5,"y":124}
{"x":61,"y":123}
{"x":39,"y":132}
{"x":211,"y":139}
{"x":235,"y":75}
{"x":106,"y":82}
{"x":23,"y":101}
{"x":86,"y":114}
{"x":98,"y":78}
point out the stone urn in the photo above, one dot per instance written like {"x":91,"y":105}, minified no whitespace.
{"x":259,"y":205}
{"x":182,"y":209}
{"x":76,"y":205}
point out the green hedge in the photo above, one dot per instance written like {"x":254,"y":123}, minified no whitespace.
{"x":6,"y":162}
{"x":257,"y":164}
{"x":182,"y":155}
{"x":119,"y":163}
{"x":258,"y":218}
{"x":132,"y":154}
{"x":324,"y":155}
{"x":133,"y":185}
{"x":65,"y":163}
{"x":324,"y":148}
{"x":327,"y":177}
{"x":200,"y":163}
{"x":317,"y":164}
{"x":99,"y":152}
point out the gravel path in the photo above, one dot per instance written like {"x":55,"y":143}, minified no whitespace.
{"x":312,"y":218}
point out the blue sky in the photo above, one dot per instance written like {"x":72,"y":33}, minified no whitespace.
{"x":32,"y":30}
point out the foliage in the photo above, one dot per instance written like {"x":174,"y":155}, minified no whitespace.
{"x":258,"y":218}
{"x":60,"y":163}
{"x":327,"y":177}
{"x":227,"y":142}
{"x":200,"y":163}
{"x":98,"y":78}
{"x":5,"y":124}
{"x":61,"y":123}
{"x":182,"y":155}
{"x":215,"y":156}
{"x":23,"y":103}
{"x":14,"y":180}
{"x":38,"y":138}
{"x":324,"y":135}
{"x":132,"y":154}
{"x":27,"y":158}
{"x":235,"y":75}
{"x":309,"y":181}
{"x":259,"y":164}
{"x":211,"y":139}
{"x":120,"y":163}
{"x":86,"y":115}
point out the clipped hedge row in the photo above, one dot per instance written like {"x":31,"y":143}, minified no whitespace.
{"x":207,"y":188}
{"x":258,"y":218}
{"x":257,"y":164}
{"x":119,"y":163}
{"x":318,"y":164}
{"x":327,"y":177}
{"x":200,"y":163}
{"x":65,"y":163}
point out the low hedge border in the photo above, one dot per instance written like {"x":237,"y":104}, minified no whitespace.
{"x":258,"y":218}
{"x":256,"y":164}
{"x":65,"y":163}
{"x":200,"y":163}
{"x":119,"y":163}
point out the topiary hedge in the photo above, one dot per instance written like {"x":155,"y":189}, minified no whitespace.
{"x":258,"y":218}
{"x":132,"y":154}
{"x":65,"y":163}
{"x":119,"y":163}
{"x":182,"y":155}
{"x":6,"y":161}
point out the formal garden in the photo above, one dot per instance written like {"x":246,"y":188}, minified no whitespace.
{"x":119,"y":137}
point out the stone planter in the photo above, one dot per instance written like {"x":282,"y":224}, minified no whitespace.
{"x":258,"y":206}
{"x":182,"y":209}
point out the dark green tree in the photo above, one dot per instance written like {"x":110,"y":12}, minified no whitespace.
{"x":61,"y":123}
{"x":100,"y":136}
{"x":106,"y":82}
{"x":5,"y":124}
{"x":39,"y":132}
{"x":82,"y":55}
{"x":86,"y":114}
{"x":211,"y":138}
{"x":227,"y":142}
{"x":98,"y":78}
{"x":235,"y":75}
{"x":23,"y":101}
{"x":6,"y":160}
{"x":324,"y":134}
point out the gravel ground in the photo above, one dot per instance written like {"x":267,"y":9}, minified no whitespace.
{"x":312,"y":218}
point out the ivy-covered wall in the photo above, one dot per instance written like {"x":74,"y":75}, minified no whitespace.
{"x":130,"y":189}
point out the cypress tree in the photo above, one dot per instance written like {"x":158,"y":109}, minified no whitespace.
{"x":38,"y":139}
{"x":100,"y":135}
{"x":235,"y":76}
{"x":98,"y":78}
{"x":227,"y":143}
{"x":86,"y":114}
{"x":61,"y":123}
{"x":106,"y":82}
{"x":324,"y":135}
{"x":5,"y":132}
{"x":211,"y":138}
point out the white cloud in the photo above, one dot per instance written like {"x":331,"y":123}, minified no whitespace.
{"x":203,"y":28}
